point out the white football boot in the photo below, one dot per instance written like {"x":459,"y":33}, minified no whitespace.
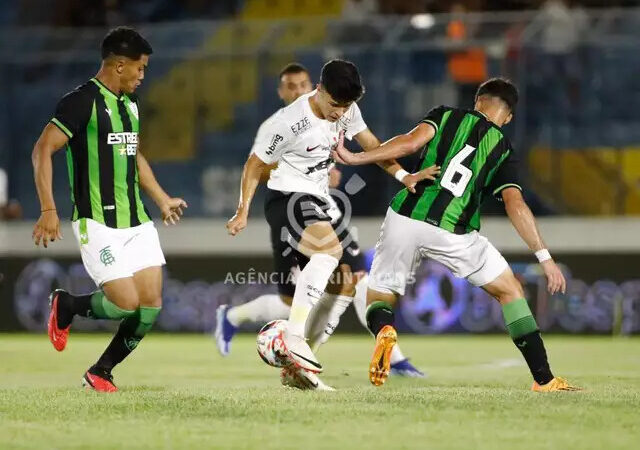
{"x":300,"y":354}
{"x":297,"y":378}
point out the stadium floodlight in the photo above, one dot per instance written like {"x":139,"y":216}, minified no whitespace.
{"x":422,"y":21}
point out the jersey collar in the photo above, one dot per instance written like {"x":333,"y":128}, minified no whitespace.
{"x":106,"y":89}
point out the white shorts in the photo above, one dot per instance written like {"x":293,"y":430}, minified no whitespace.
{"x":112,"y":253}
{"x":404,"y":242}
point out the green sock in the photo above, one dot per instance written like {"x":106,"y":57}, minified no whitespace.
{"x":102,"y":308}
{"x":518,"y":318}
{"x":378,"y":315}
{"x":524,"y":332}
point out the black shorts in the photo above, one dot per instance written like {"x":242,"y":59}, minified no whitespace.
{"x":288,"y":214}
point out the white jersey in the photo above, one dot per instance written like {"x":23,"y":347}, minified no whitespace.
{"x":301,"y":144}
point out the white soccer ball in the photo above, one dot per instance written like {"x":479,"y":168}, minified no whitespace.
{"x":270,"y":343}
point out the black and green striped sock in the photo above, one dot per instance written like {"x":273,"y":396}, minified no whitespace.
{"x":524,"y":332}
{"x":378,"y":315}
{"x":95,"y":305}
{"x":131,"y":331}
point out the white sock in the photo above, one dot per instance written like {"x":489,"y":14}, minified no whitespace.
{"x":260,"y":310}
{"x":360,"y":305}
{"x":310,"y":287}
{"x":325,"y":317}
{"x":360,"y":301}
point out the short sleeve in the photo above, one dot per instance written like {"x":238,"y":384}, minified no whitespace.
{"x":434,"y":117}
{"x":272,"y":141}
{"x":506,"y":176}
{"x":72,"y":113}
{"x":356,"y":123}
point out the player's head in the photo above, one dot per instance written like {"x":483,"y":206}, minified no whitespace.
{"x":340,"y":85}
{"x":127,"y":53}
{"x":500,"y":96}
{"x":294,"y":82}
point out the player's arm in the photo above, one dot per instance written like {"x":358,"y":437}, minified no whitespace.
{"x":368,"y":141}
{"x":47,"y":227}
{"x":525,"y":224}
{"x":396,"y":147}
{"x":251,"y":174}
{"x":272,"y":141}
{"x":170,"y":207}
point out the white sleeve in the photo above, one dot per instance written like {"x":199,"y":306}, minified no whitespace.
{"x":356,"y":124}
{"x":272,"y":141}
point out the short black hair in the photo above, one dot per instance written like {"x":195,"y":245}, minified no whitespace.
{"x":500,"y":88}
{"x":125,"y":41}
{"x":342,"y":81}
{"x":293,"y":67}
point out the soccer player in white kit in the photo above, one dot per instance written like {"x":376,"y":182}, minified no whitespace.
{"x":294,"y":81}
{"x":299,"y":138}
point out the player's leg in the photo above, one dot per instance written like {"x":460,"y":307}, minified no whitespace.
{"x":100,"y":248}
{"x":524,"y":331}
{"x":320,"y":244}
{"x":392,"y":264}
{"x":145,"y":258}
{"x":400,"y":364}
{"x":325,"y":316}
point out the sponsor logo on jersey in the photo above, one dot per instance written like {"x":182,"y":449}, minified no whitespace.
{"x":301,"y":126}
{"x":274,"y":143}
{"x":320,"y":166}
{"x":310,"y":149}
{"x":126,"y":142}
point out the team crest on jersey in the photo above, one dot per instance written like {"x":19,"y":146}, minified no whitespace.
{"x":134,"y":110}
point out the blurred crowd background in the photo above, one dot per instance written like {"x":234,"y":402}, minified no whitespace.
{"x":213,"y":76}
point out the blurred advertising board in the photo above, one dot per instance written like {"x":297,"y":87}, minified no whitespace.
{"x":603,"y":294}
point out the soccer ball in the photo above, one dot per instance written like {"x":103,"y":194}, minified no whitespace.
{"x":270,"y":343}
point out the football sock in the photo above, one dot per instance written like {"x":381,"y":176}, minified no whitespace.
{"x":131,"y":331}
{"x":360,"y":305}
{"x":524,"y":332}
{"x":95,"y":305}
{"x":360,"y":300}
{"x":379,"y":314}
{"x":325,"y":317}
{"x":310,"y":287}
{"x":260,"y":310}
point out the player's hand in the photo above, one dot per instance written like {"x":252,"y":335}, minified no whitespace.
{"x":237,"y":223}
{"x":341,"y":155}
{"x":47,"y":228}
{"x":172,"y":210}
{"x":555,"y":279}
{"x":410,"y":181}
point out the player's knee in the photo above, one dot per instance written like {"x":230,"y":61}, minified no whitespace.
{"x":152,"y":300}
{"x":127,"y":301}
{"x":511,"y":291}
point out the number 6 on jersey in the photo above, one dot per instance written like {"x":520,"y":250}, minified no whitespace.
{"x":457,"y":176}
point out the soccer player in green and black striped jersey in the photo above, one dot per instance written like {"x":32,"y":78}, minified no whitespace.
{"x":98,"y":125}
{"x":470,"y":157}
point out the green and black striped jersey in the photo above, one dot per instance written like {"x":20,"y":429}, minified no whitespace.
{"x":475,"y":159}
{"x":101,"y":154}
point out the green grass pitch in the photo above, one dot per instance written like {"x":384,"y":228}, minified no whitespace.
{"x":176,"y":392}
